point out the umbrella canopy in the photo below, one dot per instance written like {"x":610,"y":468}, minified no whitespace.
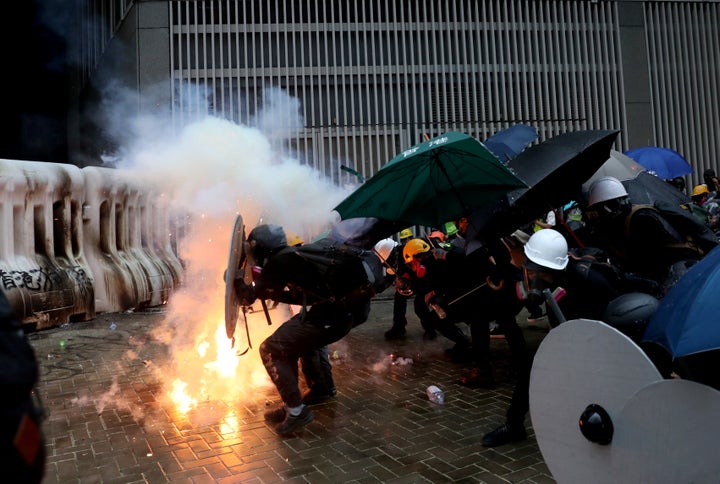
{"x":619,"y":166}
{"x":686,"y":319}
{"x":432,"y":182}
{"x":555,"y":171}
{"x":663,"y":162}
{"x":642,"y":186}
{"x":648,"y":189}
{"x":508,"y":143}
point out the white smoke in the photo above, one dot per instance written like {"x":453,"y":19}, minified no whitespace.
{"x":212,"y":170}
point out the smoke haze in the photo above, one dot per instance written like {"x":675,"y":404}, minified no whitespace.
{"x":210,"y":171}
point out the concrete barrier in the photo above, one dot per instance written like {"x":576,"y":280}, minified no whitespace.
{"x":80,"y":241}
{"x":126,"y":231}
{"x":43,"y":268}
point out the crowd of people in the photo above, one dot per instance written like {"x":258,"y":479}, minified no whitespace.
{"x":575,"y":261}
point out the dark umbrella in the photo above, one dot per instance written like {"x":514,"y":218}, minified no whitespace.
{"x":663,"y":162}
{"x":508,"y":143}
{"x":619,"y":166}
{"x":642,"y":186}
{"x":360,"y":232}
{"x":432,"y":182}
{"x":686,"y":320}
{"x":555,"y":171}
{"x":647,"y":189}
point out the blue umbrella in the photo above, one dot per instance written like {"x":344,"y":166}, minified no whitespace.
{"x":662,"y":162}
{"x":686,"y":321}
{"x":508,"y":143}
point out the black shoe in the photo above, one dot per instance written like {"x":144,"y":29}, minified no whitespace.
{"x":316,"y":398}
{"x":293,"y":423}
{"x":504,"y":434}
{"x":396,"y":332}
{"x":277,"y":415}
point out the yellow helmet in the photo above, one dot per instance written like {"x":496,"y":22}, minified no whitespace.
{"x":293,"y":239}
{"x":406,"y":234}
{"x":700,"y":190}
{"x":413,"y":248}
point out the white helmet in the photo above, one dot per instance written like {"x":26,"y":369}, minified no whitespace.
{"x":547,"y":248}
{"x":384,"y":248}
{"x":604,"y":189}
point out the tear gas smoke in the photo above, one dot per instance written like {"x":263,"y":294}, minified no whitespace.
{"x":210,"y":171}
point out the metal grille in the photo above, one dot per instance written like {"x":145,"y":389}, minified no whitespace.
{"x":374,"y":77}
{"x":99,"y":22}
{"x":684,"y":58}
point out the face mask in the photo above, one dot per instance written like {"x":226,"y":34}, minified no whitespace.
{"x":418,"y":268}
{"x":530,"y":290}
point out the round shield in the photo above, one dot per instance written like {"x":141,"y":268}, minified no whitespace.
{"x":579,"y":364}
{"x":667,"y":433}
{"x":236,"y":257}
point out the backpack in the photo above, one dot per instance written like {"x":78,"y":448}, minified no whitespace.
{"x":699,"y":238}
{"x":337,"y":272}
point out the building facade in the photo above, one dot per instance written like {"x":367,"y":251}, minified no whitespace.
{"x":361,"y":80}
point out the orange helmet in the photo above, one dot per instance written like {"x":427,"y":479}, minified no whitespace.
{"x":413,"y":248}
{"x":436,"y":234}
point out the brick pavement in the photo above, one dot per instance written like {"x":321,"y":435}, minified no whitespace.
{"x":380,"y":428}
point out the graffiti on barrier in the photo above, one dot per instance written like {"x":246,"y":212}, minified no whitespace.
{"x":44,"y":279}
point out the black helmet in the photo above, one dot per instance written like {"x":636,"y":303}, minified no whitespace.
{"x":631,"y":313}
{"x":264,"y":240}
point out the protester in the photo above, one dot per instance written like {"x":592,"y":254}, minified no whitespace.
{"x":698,"y":204}
{"x":700,"y":194}
{"x":547,"y":222}
{"x":713,"y":216}
{"x":336,"y":283}
{"x":711,"y":181}
{"x":430,"y":271}
{"x":476,"y":290}
{"x":22,"y":448}
{"x":585,"y":293}
{"x":403,"y":292}
{"x":645,"y":240}
{"x":678,"y":183}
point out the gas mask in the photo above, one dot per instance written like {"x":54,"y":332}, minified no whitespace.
{"x":531,"y":292}
{"x":530,"y":289}
{"x":418,"y":268}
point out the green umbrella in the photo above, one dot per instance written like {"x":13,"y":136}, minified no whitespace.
{"x":435,"y":181}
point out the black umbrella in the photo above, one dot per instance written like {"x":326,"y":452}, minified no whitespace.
{"x":642,"y":186}
{"x":646,"y":188}
{"x":555,"y":171}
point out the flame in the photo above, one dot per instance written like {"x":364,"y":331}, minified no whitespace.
{"x":183,"y":402}
{"x":204,"y":366}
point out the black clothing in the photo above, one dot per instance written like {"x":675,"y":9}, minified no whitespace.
{"x":305,"y":337}
{"x":22,"y":449}
{"x":588,"y":290}
{"x":643,"y":242}
{"x":339,"y":299}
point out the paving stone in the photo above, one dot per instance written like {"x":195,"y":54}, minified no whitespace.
{"x":380,"y":427}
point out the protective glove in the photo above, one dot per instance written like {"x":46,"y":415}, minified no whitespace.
{"x":245,"y":293}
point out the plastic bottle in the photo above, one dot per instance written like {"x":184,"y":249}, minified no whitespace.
{"x":435,"y":395}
